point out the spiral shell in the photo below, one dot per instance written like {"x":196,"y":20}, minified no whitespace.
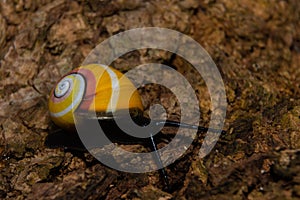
{"x":91,"y":88}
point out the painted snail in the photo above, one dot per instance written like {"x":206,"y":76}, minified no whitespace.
{"x":101,"y":90}
{"x":94,"y":88}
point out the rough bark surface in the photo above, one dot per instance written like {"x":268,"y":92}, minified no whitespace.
{"x":256,"y":46}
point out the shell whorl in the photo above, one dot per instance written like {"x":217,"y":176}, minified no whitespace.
{"x":92,"y":88}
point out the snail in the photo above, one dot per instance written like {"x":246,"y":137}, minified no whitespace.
{"x":104,"y":91}
{"x":91,"y":88}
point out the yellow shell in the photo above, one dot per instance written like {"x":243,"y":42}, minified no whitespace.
{"x":92,"y":88}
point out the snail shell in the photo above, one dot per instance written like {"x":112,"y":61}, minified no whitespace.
{"x":92,"y":88}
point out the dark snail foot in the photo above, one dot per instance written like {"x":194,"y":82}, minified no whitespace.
{"x":72,"y":141}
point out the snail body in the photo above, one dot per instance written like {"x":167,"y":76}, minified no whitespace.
{"x":91,"y":88}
